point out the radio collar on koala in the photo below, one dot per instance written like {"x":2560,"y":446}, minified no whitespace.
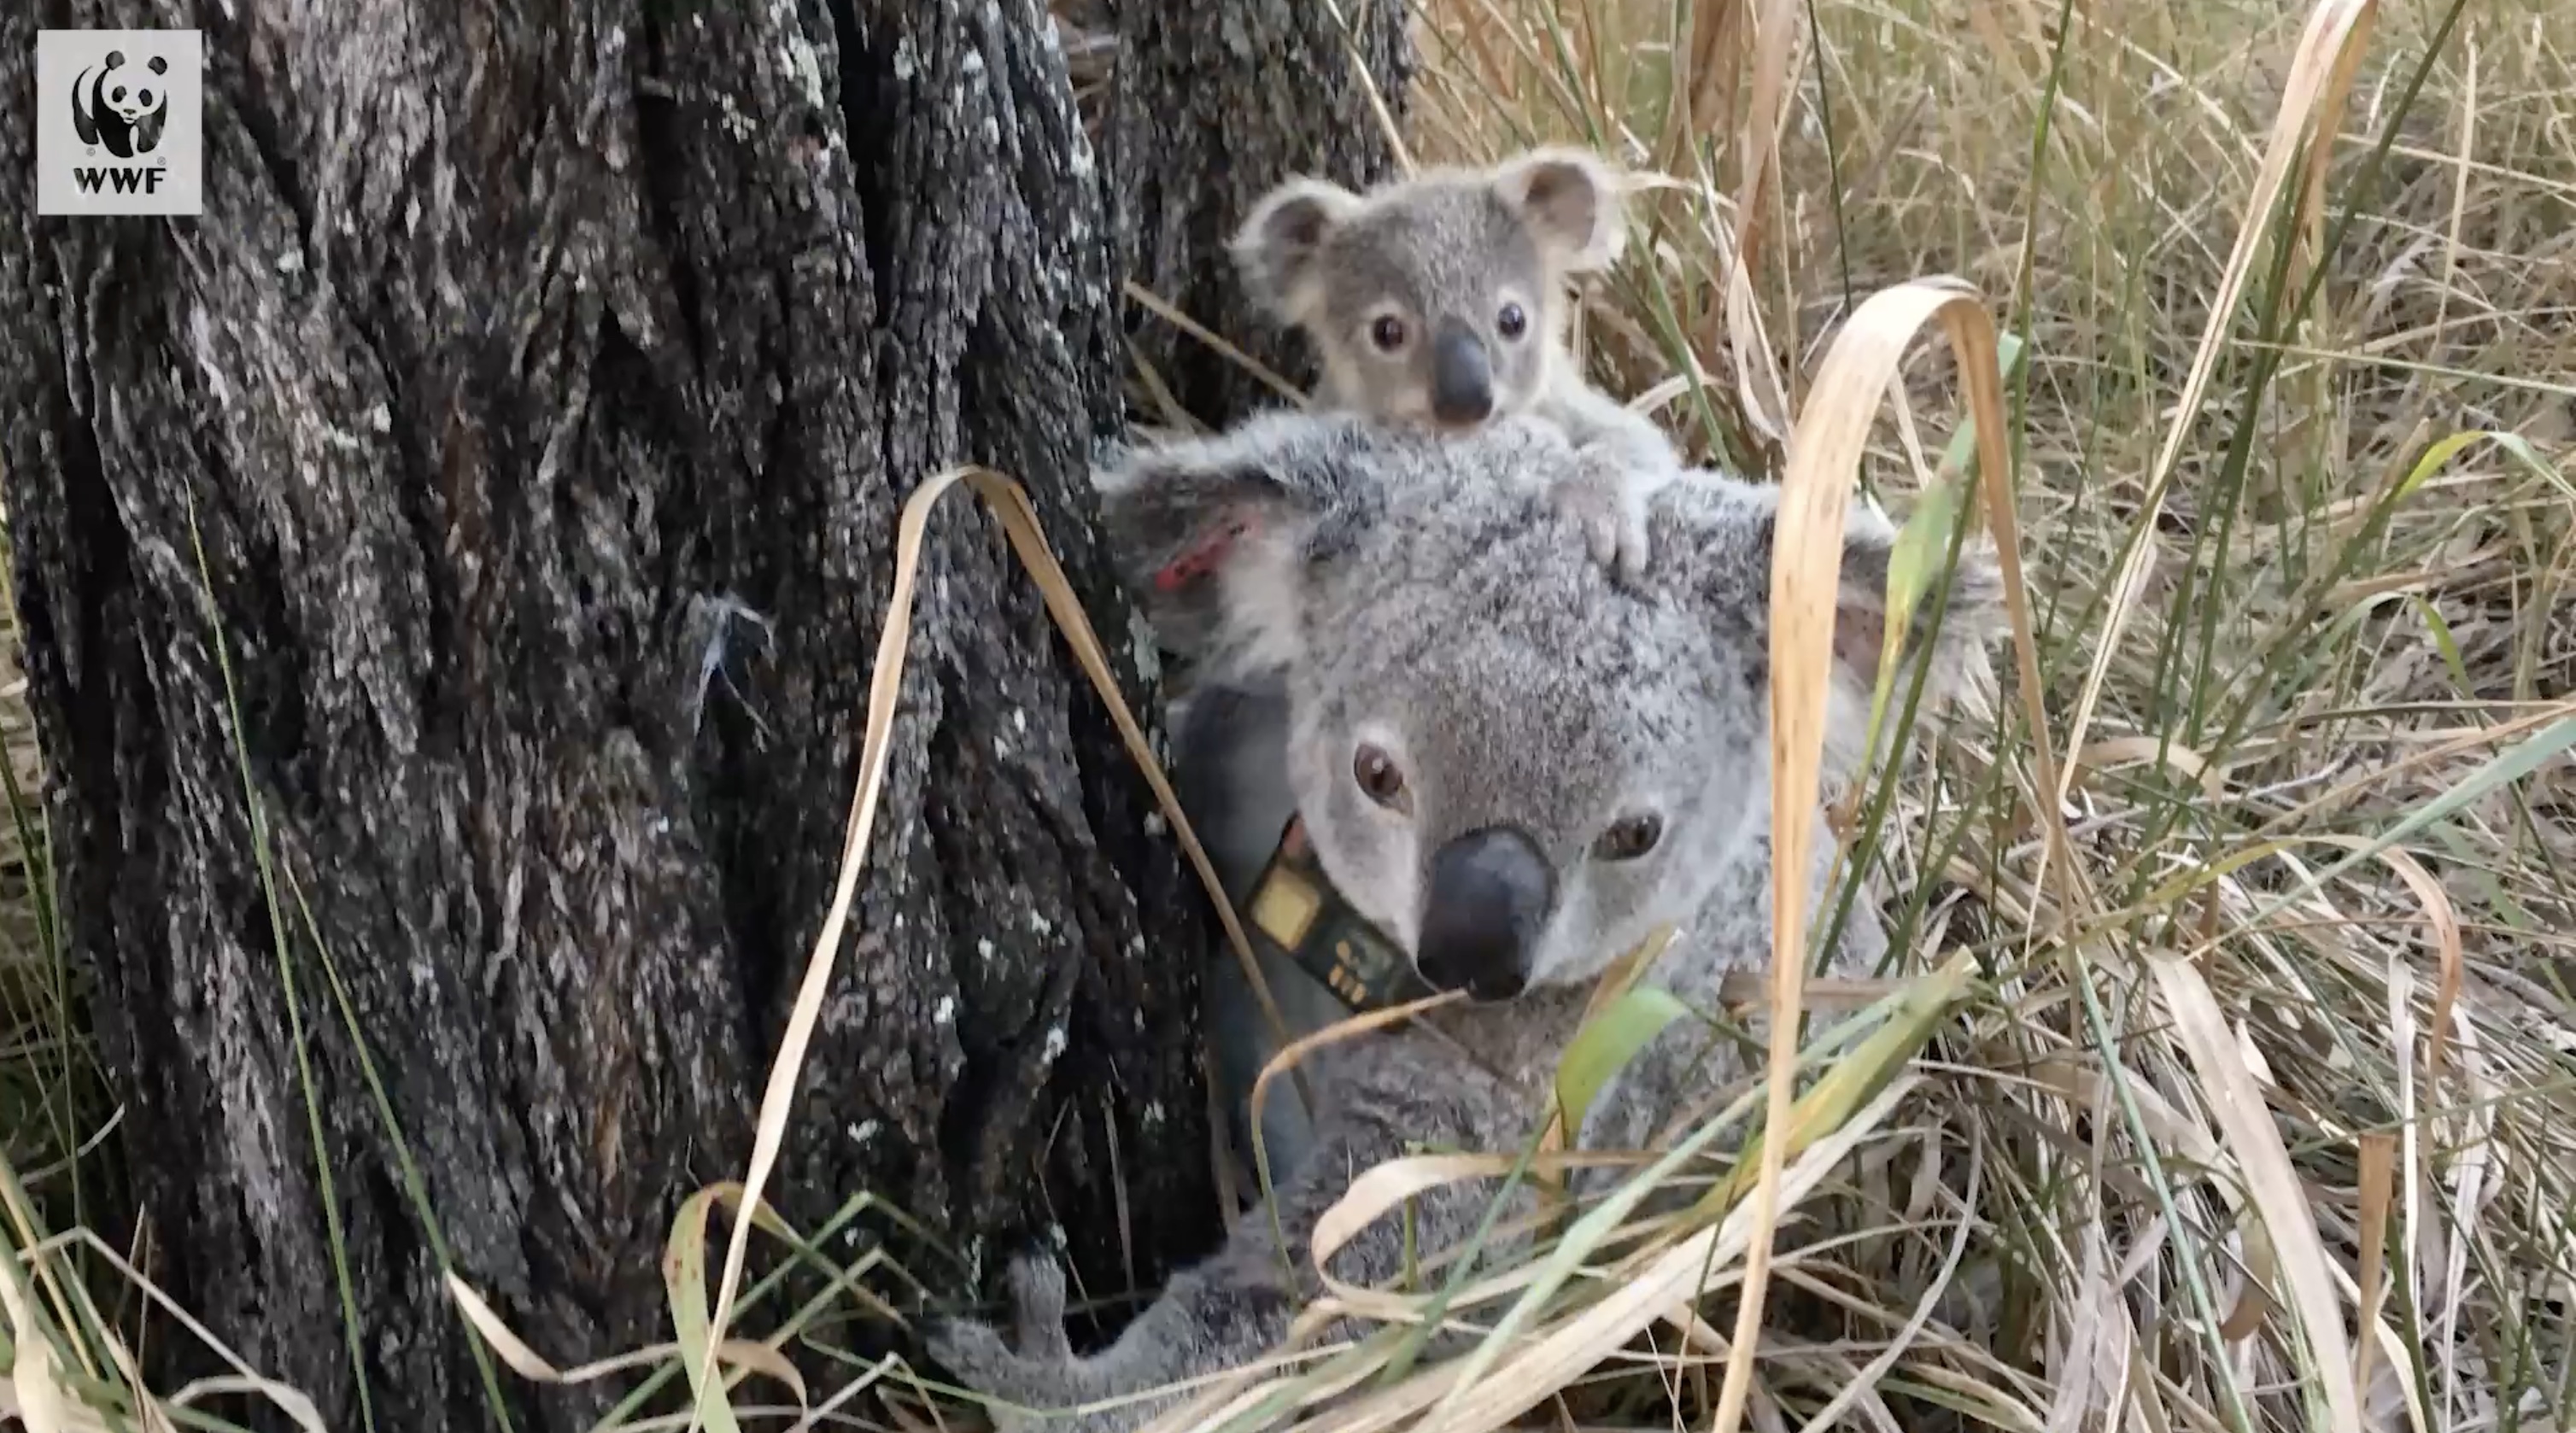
{"x":1295,"y":907}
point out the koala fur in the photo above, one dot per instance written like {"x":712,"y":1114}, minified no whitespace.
{"x":1410,"y":601}
{"x":1440,"y":255}
{"x":1439,"y":302}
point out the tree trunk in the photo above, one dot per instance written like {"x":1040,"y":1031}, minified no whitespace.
{"x":1218,"y":102}
{"x":543,"y":383}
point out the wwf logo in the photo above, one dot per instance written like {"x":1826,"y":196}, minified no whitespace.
{"x":121,"y":108}
{"x":120,"y":121}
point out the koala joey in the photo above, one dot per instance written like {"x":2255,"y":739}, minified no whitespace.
{"x":1439,"y":302}
{"x":1517,"y":769}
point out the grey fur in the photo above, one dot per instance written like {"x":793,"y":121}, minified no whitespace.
{"x":1445,"y":252}
{"x":1406,"y":591}
{"x":1451,"y":246}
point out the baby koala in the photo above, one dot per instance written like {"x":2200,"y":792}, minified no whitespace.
{"x":1439,"y":302}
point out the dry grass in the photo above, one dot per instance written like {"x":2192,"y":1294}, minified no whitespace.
{"x":2273,"y":1030}
{"x":2257,"y":1113}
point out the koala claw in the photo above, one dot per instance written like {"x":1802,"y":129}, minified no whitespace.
{"x":1042,"y":1373}
{"x":979,"y":1361}
{"x":1612,"y":518}
{"x":1037,"y":1308}
{"x":971,"y":1351}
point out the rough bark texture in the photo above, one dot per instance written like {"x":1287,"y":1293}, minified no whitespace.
{"x":1213,"y":104}
{"x":545,"y":381}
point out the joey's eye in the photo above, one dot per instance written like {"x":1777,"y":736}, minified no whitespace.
{"x":1380,"y":778}
{"x":1512,"y":322}
{"x":1387,"y":333}
{"x":1629,"y":837}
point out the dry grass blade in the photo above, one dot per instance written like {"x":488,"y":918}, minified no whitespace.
{"x":745,"y":1357}
{"x":1387,"y":1187}
{"x":2450,"y":962}
{"x":35,"y":1388}
{"x":1555,"y":1359}
{"x":2378,"y":1175}
{"x":2287,"y":1207}
{"x":1865,"y":1383}
{"x":1806,"y":580}
{"x":1165,"y":310}
{"x":1388,"y":129}
{"x":1759,"y":382}
{"x":2311,"y":110}
{"x":1287,"y":1060}
{"x":2121,"y":751}
{"x":44,"y":1393}
{"x":1010,"y":504}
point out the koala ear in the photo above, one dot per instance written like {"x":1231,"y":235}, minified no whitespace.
{"x":1278,"y":248}
{"x":1955,"y":654}
{"x":1719,"y":545}
{"x":1571,"y":202}
{"x":1215,"y":535}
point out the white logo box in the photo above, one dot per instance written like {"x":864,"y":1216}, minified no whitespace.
{"x":120,"y":122}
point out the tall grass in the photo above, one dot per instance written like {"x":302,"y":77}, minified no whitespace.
{"x":2234,"y":1083}
{"x":2281,"y":1010}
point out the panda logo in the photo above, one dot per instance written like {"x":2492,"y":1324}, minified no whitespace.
{"x":122,"y":111}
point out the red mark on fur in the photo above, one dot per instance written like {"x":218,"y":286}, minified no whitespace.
{"x":1201,"y":558}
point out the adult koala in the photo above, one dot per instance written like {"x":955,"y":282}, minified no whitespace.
{"x":1514,"y":768}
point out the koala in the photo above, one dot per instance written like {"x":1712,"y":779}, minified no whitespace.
{"x":124,"y":112}
{"x":1439,"y":302}
{"x":1435,"y":303}
{"x":1514,"y":766}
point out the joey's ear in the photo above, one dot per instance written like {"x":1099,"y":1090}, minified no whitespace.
{"x":1279,"y":250}
{"x":1571,"y":201}
{"x":1214,"y":535}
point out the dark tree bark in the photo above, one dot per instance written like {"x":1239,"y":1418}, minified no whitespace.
{"x":1214,"y":104}
{"x":544,"y":381}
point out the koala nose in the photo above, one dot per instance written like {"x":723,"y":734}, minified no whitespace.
{"x":1462,"y":382}
{"x":1491,"y":892}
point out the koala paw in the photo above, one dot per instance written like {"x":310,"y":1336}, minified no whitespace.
{"x":1042,"y":1374}
{"x":1611,"y":513}
{"x":1037,"y":1307}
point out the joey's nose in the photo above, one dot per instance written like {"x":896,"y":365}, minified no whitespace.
{"x":1491,"y":892}
{"x":1462,"y":382}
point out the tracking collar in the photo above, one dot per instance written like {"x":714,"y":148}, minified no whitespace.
{"x":1295,"y":907}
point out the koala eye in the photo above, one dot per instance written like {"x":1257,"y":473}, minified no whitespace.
{"x":1387,"y":333}
{"x":1629,"y":837}
{"x":1380,"y":778}
{"x":1512,"y":322}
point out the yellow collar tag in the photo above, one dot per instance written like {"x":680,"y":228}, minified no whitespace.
{"x":1295,"y":907}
